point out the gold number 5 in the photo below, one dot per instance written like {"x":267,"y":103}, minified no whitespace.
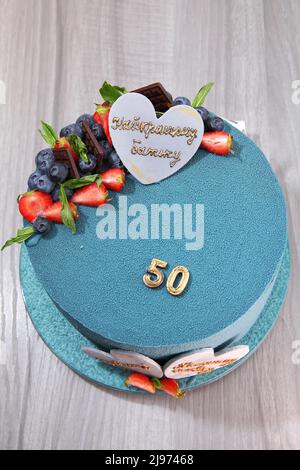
{"x":153,"y":269}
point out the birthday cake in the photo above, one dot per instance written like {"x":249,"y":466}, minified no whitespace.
{"x":177,"y":241}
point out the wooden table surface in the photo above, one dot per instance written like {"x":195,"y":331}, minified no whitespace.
{"x":54,"y":54}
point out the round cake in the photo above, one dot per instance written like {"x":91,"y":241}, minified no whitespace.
{"x":223,"y":218}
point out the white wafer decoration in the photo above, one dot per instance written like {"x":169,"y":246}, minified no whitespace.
{"x":203,"y":361}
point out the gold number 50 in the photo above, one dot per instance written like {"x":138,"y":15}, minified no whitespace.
{"x":154,"y":270}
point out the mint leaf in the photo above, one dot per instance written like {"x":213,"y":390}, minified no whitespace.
{"x":111,"y":93}
{"x":48,"y":134}
{"x":201,"y":95}
{"x":22,"y":235}
{"x":79,"y":147}
{"x":66,"y":213}
{"x":84,"y":181}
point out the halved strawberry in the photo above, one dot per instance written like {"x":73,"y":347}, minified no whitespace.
{"x":140,"y":381}
{"x":218,"y":142}
{"x":169,"y":386}
{"x":32,"y":203}
{"x":91,"y":195}
{"x":114,"y":179}
{"x":101,"y":117}
{"x":53,"y":212}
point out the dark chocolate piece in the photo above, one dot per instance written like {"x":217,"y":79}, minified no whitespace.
{"x":64,"y":155}
{"x":93,"y":145}
{"x":158,"y":95}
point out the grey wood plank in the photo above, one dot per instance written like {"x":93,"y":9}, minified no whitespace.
{"x":54,"y":54}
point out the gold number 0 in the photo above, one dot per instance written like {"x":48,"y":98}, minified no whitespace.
{"x":185,"y":275}
{"x":178,"y":270}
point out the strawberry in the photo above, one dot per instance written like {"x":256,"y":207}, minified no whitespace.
{"x":140,"y":381}
{"x":91,"y":195}
{"x":52,"y":139}
{"x":101,"y":117}
{"x":114,"y":179}
{"x":32,"y":203}
{"x":53,"y":212}
{"x":169,"y":386}
{"x":218,"y":142}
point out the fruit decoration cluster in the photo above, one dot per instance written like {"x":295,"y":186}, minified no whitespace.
{"x":53,"y":195}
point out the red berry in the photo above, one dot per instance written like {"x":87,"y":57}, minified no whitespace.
{"x":169,"y":386}
{"x":140,"y":381}
{"x":32,"y":203}
{"x":53,"y":212}
{"x":102,"y":118}
{"x":91,"y":195}
{"x":114,"y":179}
{"x":217,"y":142}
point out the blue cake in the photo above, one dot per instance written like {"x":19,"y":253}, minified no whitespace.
{"x":232,"y":248}
{"x":98,"y":283}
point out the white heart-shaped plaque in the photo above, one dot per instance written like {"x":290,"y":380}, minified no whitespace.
{"x":153,"y":148}
{"x":126,"y":360}
{"x":203,"y":361}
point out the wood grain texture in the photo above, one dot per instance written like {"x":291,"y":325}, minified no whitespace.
{"x":54,"y":54}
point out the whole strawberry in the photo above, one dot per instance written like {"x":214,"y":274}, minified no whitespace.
{"x":33,"y":203}
{"x":114,"y":179}
{"x":218,"y":142}
{"x":92,"y":195}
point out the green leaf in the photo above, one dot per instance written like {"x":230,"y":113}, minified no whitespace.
{"x":84,"y":181}
{"x":201,"y":95}
{"x":66,"y":213}
{"x":22,"y":235}
{"x":111,"y":93}
{"x":156,"y":382}
{"x":48,"y":134}
{"x":79,"y":147}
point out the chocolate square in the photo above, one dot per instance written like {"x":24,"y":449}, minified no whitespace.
{"x":158,"y":95}
{"x":93,"y":146}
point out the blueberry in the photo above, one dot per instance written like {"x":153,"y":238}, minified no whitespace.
{"x":85,"y":118}
{"x":32,"y":180}
{"x":114,"y":160}
{"x":203,"y":113}
{"x":215,"y":124}
{"x":106,"y":147}
{"x":57,"y":172}
{"x":181,"y":100}
{"x":44,"y":184}
{"x":72,"y":129}
{"x":97,"y":130}
{"x":90,"y":166}
{"x":55,"y":193}
{"x":42,"y":225}
{"x":44,"y":159}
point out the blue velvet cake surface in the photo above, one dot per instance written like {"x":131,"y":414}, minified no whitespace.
{"x":98,"y":284}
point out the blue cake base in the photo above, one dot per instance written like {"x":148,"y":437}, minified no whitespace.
{"x":65,"y":341}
